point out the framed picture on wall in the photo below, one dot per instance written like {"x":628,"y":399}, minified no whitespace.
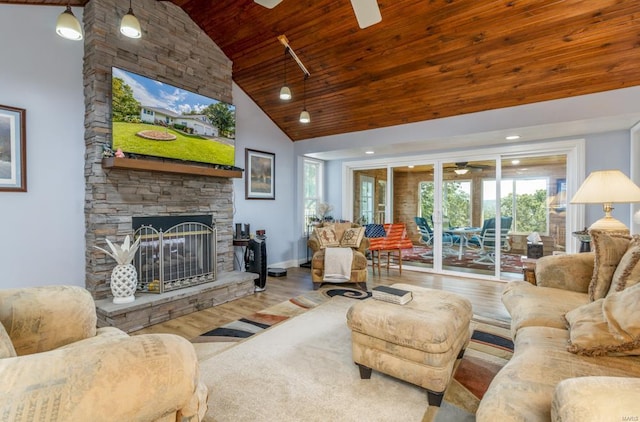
{"x":260,"y":174}
{"x":13,"y":149}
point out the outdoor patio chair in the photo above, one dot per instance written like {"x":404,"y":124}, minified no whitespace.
{"x":487,"y":240}
{"x":426,"y":237}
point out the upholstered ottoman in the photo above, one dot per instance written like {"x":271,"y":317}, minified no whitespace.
{"x":418,"y":342}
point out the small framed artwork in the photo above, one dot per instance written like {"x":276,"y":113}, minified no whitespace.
{"x":13,"y":149}
{"x":260,"y":174}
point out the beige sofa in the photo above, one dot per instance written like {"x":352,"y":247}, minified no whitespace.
{"x":545,"y":381}
{"x":56,"y":366}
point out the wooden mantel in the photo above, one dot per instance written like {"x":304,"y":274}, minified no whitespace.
{"x":168,"y":167}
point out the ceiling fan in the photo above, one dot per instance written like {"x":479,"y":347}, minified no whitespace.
{"x":367,"y":11}
{"x":464,"y":168}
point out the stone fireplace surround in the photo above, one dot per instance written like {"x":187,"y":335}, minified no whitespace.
{"x":174,"y":50}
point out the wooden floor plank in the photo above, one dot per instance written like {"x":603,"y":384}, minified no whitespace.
{"x":483,"y":294}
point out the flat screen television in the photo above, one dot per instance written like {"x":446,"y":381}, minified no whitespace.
{"x":152,"y":118}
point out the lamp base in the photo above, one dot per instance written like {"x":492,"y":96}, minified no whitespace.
{"x":609,"y":224}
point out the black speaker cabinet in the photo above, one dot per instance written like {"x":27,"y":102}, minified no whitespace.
{"x":255,"y":261}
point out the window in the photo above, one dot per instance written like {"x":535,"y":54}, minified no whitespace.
{"x":366,"y":199}
{"x":312,"y":185}
{"x":456,"y":202}
{"x":523,"y":199}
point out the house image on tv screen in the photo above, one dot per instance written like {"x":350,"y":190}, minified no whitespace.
{"x":197,"y":124}
{"x":153,"y":118}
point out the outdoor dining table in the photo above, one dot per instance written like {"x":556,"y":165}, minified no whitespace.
{"x":465,"y":233}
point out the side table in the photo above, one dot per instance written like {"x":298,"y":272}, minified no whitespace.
{"x":529,"y":269}
{"x":240,"y":246}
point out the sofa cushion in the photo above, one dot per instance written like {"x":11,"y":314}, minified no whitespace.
{"x":531,"y":305}
{"x":608,"y":326}
{"x":581,"y":399}
{"x":628,"y":270}
{"x":327,"y":236}
{"x":352,"y":237}
{"x":524,"y":388}
{"x":567,"y":272}
{"x":609,"y":250}
{"x":6,"y":346}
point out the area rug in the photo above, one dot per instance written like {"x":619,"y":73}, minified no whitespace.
{"x":221,"y":338}
{"x":259,"y":321}
{"x":511,"y":263}
{"x":301,"y":370}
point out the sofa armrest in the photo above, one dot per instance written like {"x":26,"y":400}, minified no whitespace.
{"x":594,"y":399}
{"x":140,"y":378}
{"x":569,"y":272}
{"x":364,"y":245}
{"x":313,"y":243}
{"x":39,"y":319}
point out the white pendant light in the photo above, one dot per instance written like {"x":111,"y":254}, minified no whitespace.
{"x":68,"y":26}
{"x":130,"y":26}
{"x":285,"y":92}
{"x":305,"y":117}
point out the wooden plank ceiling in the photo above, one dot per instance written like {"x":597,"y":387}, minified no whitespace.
{"x":427,"y":59}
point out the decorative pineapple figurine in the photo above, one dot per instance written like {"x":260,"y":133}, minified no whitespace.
{"x":124,"y":278}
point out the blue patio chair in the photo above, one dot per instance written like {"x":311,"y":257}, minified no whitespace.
{"x":426,"y":236}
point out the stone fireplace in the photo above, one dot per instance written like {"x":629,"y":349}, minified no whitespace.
{"x":176,"y":51}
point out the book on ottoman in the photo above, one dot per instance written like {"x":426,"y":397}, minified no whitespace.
{"x":391,"y":294}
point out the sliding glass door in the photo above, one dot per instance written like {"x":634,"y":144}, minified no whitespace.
{"x":472,"y":217}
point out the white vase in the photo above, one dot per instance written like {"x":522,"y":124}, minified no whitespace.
{"x":124,"y":280}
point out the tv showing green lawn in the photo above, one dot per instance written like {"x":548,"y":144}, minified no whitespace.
{"x":153,"y":118}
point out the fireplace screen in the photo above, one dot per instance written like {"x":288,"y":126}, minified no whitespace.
{"x":181,"y":256}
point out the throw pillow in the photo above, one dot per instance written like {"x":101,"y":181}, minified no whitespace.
{"x":6,"y":346}
{"x":609,"y":250}
{"x":607,"y":326}
{"x":627,"y":272}
{"x":352,"y":237}
{"x":327,"y":236}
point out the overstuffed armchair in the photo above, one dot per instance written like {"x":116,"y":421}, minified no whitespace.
{"x":56,"y":366}
{"x":333,"y":235}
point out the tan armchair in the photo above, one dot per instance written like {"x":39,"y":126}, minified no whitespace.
{"x":56,"y":366}
{"x":358,"y":266}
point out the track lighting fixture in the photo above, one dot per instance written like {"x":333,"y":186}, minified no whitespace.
{"x":285,"y":92}
{"x":67,"y":25}
{"x":130,"y":26}
{"x":305,"y":117}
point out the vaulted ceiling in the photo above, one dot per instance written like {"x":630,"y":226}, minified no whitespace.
{"x":427,"y":59}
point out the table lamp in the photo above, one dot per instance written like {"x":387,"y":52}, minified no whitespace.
{"x":607,"y":187}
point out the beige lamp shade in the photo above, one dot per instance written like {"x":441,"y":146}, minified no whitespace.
{"x":67,"y":26}
{"x":607,"y":187}
{"x":130,"y":26}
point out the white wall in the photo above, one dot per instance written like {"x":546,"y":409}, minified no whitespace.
{"x":42,"y":230}
{"x":254,"y":130}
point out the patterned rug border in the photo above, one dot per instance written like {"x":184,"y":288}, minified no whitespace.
{"x":245,"y":327}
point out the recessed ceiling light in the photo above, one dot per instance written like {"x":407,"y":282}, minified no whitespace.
{"x":369,"y":152}
{"x":515,"y":162}
{"x":512,"y":137}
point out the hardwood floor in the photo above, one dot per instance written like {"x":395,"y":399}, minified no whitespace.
{"x":483,"y":294}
